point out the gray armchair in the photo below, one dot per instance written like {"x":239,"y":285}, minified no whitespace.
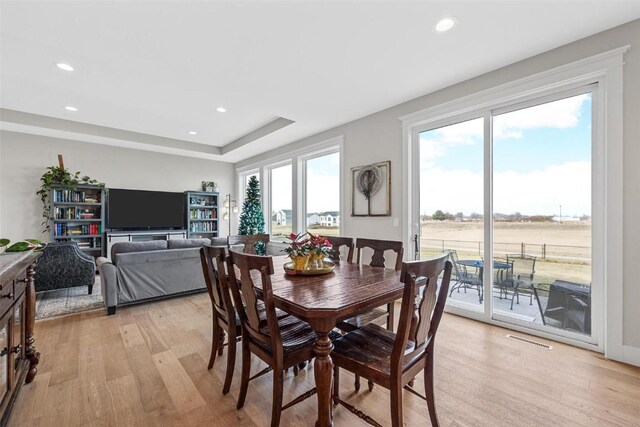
{"x":64,"y":265}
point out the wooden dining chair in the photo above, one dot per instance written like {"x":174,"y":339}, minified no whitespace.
{"x":377,"y":260}
{"x":280,"y":343}
{"x":248,"y":242}
{"x":337,"y":243}
{"x":377,"y":314}
{"x":224,"y":316}
{"x":393,"y":360}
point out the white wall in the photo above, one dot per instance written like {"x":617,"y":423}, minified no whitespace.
{"x":23,"y":159}
{"x":378,"y":137}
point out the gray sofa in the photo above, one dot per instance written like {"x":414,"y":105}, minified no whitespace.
{"x":142,"y":271}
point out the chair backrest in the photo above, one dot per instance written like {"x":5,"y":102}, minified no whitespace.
{"x":246,"y":298}
{"x":420,"y":314}
{"x":524,"y":266}
{"x":213,"y":259}
{"x":249,"y":242}
{"x":379,"y":247}
{"x":458,"y":271}
{"x":337,"y":243}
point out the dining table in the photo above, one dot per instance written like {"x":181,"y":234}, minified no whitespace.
{"x":326,"y":299}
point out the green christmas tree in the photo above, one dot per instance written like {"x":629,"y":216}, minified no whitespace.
{"x":251,"y":218}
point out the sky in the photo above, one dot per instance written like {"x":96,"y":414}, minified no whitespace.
{"x":323,"y":185}
{"x":541,"y":160}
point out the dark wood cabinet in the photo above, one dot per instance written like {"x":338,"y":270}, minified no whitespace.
{"x":18,"y":357}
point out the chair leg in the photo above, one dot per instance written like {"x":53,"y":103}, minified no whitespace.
{"x":296,"y":370}
{"x":370,"y":384}
{"x":356,"y":383}
{"x":215,"y":342}
{"x":90,"y":289}
{"x":336,"y":384}
{"x":390,"y":317}
{"x":244,"y":379}
{"x":276,"y":407}
{"x":396,"y":404}
{"x":429,"y":390}
{"x":231,"y":363}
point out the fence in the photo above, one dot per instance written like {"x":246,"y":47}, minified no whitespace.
{"x":544,"y":251}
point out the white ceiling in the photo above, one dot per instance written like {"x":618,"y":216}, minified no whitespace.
{"x":161,"y":68}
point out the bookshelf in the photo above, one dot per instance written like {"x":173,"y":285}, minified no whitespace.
{"x":202,"y":214}
{"x":78,"y":215}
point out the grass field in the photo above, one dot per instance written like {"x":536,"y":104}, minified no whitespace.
{"x":283,"y":231}
{"x":562,"y":249}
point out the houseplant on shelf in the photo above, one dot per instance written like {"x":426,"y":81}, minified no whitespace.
{"x":298,"y":250}
{"x":59,"y":176}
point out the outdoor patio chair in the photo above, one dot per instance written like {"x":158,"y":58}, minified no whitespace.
{"x":463,"y":277}
{"x":518,"y":278}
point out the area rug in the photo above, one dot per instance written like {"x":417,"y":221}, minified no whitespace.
{"x":59,"y":302}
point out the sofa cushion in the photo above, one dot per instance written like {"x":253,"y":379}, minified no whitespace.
{"x":126,"y":247}
{"x":186,"y":243}
{"x":219,"y":241}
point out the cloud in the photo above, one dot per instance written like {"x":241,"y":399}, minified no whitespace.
{"x":435,"y":143}
{"x":538,"y":192}
{"x":561,"y":114}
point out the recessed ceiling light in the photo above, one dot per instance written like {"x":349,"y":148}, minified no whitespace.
{"x":70,"y":108}
{"x":193,"y":132}
{"x":221,"y":110}
{"x":445,"y":24}
{"x":63,"y":66}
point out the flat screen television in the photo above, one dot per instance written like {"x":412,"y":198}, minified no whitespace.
{"x":139,"y":209}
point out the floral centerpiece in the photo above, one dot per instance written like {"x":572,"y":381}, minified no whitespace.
{"x":298,"y":250}
{"x":319,"y":247}
{"x":307,"y":251}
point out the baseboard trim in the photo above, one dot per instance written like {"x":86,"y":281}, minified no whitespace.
{"x":631,"y":355}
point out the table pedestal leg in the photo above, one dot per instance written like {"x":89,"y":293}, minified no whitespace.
{"x":323,"y":370}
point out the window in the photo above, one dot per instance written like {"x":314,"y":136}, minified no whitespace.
{"x":281,"y":201}
{"x":323,"y":194}
{"x":301,"y":190}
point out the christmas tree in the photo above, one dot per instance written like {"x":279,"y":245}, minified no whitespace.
{"x":251,"y":218}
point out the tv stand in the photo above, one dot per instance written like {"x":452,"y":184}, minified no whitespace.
{"x":141,"y":236}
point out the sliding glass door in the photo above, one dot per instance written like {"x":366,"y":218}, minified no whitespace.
{"x":451,"y":204}
{"x":528,"y":168}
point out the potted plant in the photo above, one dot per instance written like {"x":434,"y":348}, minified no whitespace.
{"x":210,"y":187}
{"x":319,"y":248}
{"x":298,"y":250}
{"x":59,"y":176}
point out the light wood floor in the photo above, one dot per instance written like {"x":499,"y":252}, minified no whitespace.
{"x":147,"y":366}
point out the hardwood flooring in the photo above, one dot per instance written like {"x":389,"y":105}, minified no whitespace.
{"x":147,"y":366}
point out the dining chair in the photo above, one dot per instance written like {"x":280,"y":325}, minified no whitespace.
{"x":280,"y":343}
{"x":377,"y":260}
{"x":337,"y":243}
{"x":225,"y":318}
{"x":390,"y":359}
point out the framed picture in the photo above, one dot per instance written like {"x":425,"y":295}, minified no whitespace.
{"x":371,"y":189}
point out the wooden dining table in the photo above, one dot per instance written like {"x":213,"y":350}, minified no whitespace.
{"x":323,"y":301}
